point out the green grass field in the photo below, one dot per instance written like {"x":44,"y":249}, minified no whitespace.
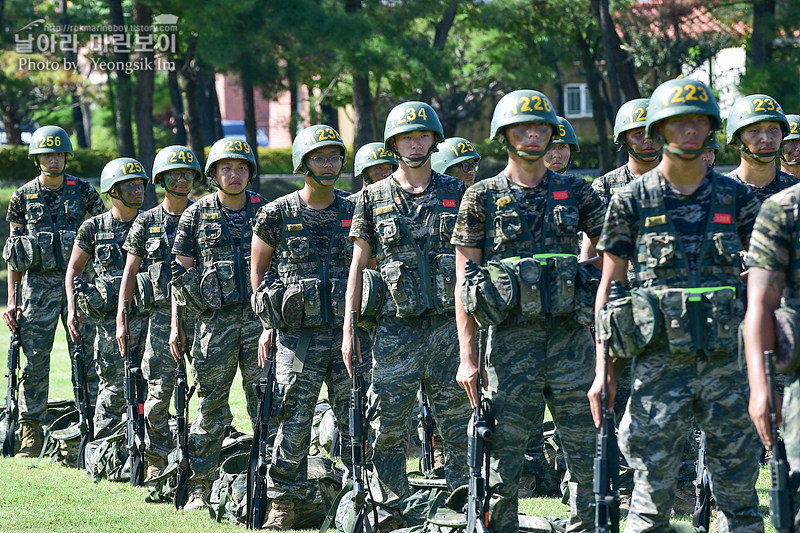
{"x":39,"y":496}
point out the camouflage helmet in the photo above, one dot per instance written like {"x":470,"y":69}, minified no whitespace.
{"x":753,"y":109}
{"x":412,"y":116}
{"x":371,"y":155}
{"x":49,"y":140}
{"x":452,"y":151}
{"x":311,"y":138}
{"x":175,"y":157}
{"x":566,"y":134}
{"x":119,"y":170}
{"x":522,"y":106}
{"x":631,"y":115}
{"x":231,"y":148}
{"x":682,"y":96}
{"x":794,"y":127}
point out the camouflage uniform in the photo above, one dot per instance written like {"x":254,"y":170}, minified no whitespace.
{"x":218,"y":239}
{"x":607,"y":184}
{"x":550,"y":356}
{"x":58,"y":214}
{"x":781,"y":181}
{"x":102,"y":238}
{"x":774,"y":246}
{"x":309,"y":245}
{"x":151,"y":238}
{"x":677,"y":241}
{"x":402,"y":228}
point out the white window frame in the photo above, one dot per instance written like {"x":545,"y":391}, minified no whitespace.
{"x":586,"y":102}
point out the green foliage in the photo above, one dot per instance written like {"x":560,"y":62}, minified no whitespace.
{"x":15,"y":166}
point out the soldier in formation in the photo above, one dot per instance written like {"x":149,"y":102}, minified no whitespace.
{"x":559,"y":157}
{"x":457,"y":157}
{"x":790,"y":152}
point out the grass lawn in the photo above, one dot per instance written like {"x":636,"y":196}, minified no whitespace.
{"x":38,"y":496}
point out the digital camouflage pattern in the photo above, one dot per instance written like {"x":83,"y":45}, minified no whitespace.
{"x":471,"y":224}
{"x":43,"y":297}
{"x":670,"y":389}
{"x":405,"y":352}
{"x":781,"y":181}
{"x":607,"y":184}
{"x":226,"y":338}
{"x":87,"y":238}
{"x":791,"y":435}
{"x":158,"y":365}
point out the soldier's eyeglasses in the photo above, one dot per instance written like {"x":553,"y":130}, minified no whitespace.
{"x":470,"y":166}
{"x":322,"y":161}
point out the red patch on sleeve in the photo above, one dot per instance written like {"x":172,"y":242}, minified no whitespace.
{"x":722,"y":218}
{"x":448,"y":203}
{"x":347,"y":222}
{"x":71,"y":182}
{"x":560,"y":195}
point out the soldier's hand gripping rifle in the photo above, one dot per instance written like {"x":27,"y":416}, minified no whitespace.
{"x":181,"y":398}
{"x":134,"y":400}
{"x":12,"y":404}
{"x":425,"y":425}
{"x":358,"y":439}
{"x":257,"y":502}
{"x":701,"y":520}
{"x":606,"y":458}
{"x":80,"y":385}
{"x":479,"y":450}
{"x":784,"y":482}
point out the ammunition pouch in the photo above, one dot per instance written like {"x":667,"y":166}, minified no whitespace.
{"x":66,"y":239}
{"x":218,"y":286}
{"x":629,"y":324}
{"x":487,"y":294}
{"x":100,"y":299}
{"x":704,"y":318}
{"x":787,"y":340}
{"x":444,"y":282}
{"x":21,"y":252}
{"x":143,"y":297}
{"x":558,"y":283}
{"x":186,"y":289}
{"x":373,"y":299}
{"x":266,"y":303}
{"x":47,"y":251}
{"x":160,"y":275}
{"x":404,"y":289}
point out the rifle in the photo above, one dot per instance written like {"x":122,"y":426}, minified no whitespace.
{"x":358,"y":439}
{"x":257,"y":502}
{"x":479,"y":450}
{"x":12,"y":405}
{"x":784,"y":482}
{"x":701,"y":519}
{"x":181,"y":398}
{"x":606,"y":458}
{"x":134,"y":398}
{"x":425,"y":428}
{"x":80,"y":386}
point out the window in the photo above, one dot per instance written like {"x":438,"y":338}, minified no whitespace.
{"x":578,"y":101}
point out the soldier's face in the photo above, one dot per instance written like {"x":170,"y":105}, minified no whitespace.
{"x":465,"y":171}
{"x":414,"y":143}
{"x":232,"y":174}
{"x":529,"y":136}
{"x":791,"y":150}
{"x":52,"y":163}
{"x":179,"y":180}
{"x":762,"y":137}
{"x":379,"y":172}
{"x":640,"y":142}
{"x":131,"y":192}
{"x":557,"y":158}
{"x":709,"y":156}
{"x":325,"y":163}
{"x":687,"y":132}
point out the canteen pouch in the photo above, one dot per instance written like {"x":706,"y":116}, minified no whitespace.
{"x":403,"y":289}
{"x":47,"y":250}
{"x":373,"y":296}
{"x":723,"y":313}
{"x":218,"y":285}
{"x":647,"y":317}
{"x":186,"y":288}
{"x":528,"y":272}
{"x":615,"y":323}
{"x":444,"y":275}
{"x":292,"y":305}
{"x":787,"y":340}
{"x":143,"y":297}
{"x":266,"y":303}
{"x":480,"y":299}
{"x":21,"y":252}
{"x":674,"y":306}
{"x":99,"y":299}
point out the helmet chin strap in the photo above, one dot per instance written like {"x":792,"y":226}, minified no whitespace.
{"x":416,"y":162}
{"x":52,"y":174}
{"x":649,"y":158}
{"x":524,"y":154}
{"x":767,"y":157}
{"x":687,"y":154}
{"x":175,"y":193}
{"x":320,"y":179}
{"x":790,"y":163}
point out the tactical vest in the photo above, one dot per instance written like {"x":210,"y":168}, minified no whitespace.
{"x":792,"y":210}
{"x":157,"y":259}
{"x":614,"y":180}
{"x":54,"y":237}
{"x":224,"y":262}
{"x":418,"y":278}
{"x":323,"y":283}
{"x":109,"y":258}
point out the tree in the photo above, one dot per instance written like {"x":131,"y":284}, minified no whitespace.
{"x":145,"y":81}
{"x":124,"y":100}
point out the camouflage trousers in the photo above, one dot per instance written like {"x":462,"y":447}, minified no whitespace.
{"x":322,"y":362}
{"x":111,"y":370}
{"x":791,"y":431}
{"x":225,"y":339}
{"x":158,"y":367}
{"x":667,"y":391}
{"x":405,"y":352}
{"x":43,"y":303}
{"x":524,"y":364}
